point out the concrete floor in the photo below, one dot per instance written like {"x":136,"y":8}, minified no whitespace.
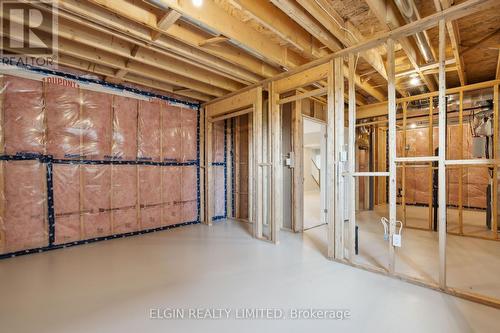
{"x":312,"y":209}
{"x":111,"y":286}
{"x":473,"y":265}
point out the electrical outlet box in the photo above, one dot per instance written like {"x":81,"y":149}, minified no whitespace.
{"x":396,"y":240}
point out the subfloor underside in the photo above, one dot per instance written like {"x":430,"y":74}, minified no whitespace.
{"x":111,"y":286}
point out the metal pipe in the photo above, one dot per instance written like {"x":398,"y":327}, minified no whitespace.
{"x":409,"y":12}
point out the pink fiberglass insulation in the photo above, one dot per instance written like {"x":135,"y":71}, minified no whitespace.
{"x":477,"y":182}
{"x":24,"y":123}
{"x":149,"y":131}
{"x":189,"y":194}
{"x":188,"y":133}
{"x":410,"y":185}
{"x":218,"y":142}
{"x":171,"y":133}
{"x":96,"y":200}
{"x":219,"y":191}
{"x":172,"y":200}
{"x":96,"y":124}
{"x":422,"y":188}
{"x":150,"y":196}
{"x":63,"y":121}
{"x":124,"y":128}
{"x":124,"y":198}
{"x":24,"y":224}
{"x":66,"y":180}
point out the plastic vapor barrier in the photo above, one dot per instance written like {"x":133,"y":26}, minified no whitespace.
{"x":80,"y":165}
{"x":219,"y":164}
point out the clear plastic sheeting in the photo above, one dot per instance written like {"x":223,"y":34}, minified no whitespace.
{"x":189,"y":130}
{"x":219,"y":192}
{"x":219,"y":169}
{"x":149,"y":131}
{"x":171,"y":128}
{"x":189,"y":193}
{"x":124,"y":198}
{"x":96,"y":123}
{"x":66,"y":184}
{"x":63,"y":121}
{"x":96,"y":202}
{"x":150,"y":196}
{"x":218,"y":142}
{"x":23,"y":116}
{"x":172,"y":199}
{"x":124,"y":128}
{"x":23,"y":222}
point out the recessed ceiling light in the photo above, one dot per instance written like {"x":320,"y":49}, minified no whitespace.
{"x":197,"y":3}
{"x":414,"y":81}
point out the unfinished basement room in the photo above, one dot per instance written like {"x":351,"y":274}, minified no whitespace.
{"x":249,"y":166}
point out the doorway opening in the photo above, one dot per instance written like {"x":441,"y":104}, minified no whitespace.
{"x":313,"y":157}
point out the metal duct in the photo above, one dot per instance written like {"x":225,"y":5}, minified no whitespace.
{"x":409,"y":12}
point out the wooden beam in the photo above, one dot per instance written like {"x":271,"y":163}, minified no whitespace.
{"x":454,"y":34}
{"x":132,"y":78}
{"x":225,"y":24}
{"x":466,"y":8}
{"x":304,"y":20}
{"x":213,"y":40}
{"x":180,"y":40}
{"x":497,"y":76}
{"x":165,"y":22}
{"x":265,"y":13}
{"x":388,"y":17}
{"x":345,"y":32}
{"x":271,"y":17}
{"x":139,"y":55}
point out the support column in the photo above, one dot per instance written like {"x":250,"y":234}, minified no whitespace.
{"x":442,"y":156}
{"x":391,"y":91}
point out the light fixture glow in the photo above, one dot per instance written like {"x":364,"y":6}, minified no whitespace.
{"x":197,"y":3}
{"x":413,"y":125}
{"x":414,"y":81}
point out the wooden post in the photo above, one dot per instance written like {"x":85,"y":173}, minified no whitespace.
{"x":352,"y":157}
{"x":111,"y":212}
{"x":209,"y":205}
{"x":496,"y":155}
{"x":238,"y":166}
{"x":277,"y":168}
{"x":2,"y":163}
{"x":229,"y":167}
{"x":298,"y":170}
{"x":330,"y":169}
{"x":391,"y":91}
{"x":461,"y":168}
{"x":202,"y":165}
{"x":430,"y":136}
{"x":339,"y":166}
{"x":80,"y":171}
{"x":442,"y":156}
{"x":258,"y":177}
{"x":250,"y":169}
{"x":137,"y":171}
{"x":161,"y":160}
{"x":403,"y":166}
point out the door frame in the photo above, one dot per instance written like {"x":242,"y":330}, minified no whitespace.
{"x":298,"y":191}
